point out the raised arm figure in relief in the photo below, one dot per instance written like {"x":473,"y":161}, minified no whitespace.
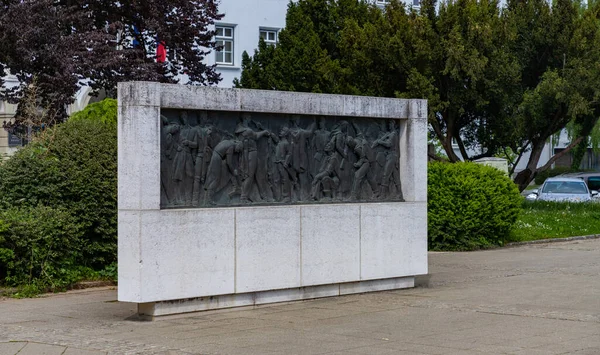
{"x":299,"y":143}
{"x":264,"y":149}
{"x":365,"y":166}
{"x":391,"y":172}
{"x":248,"y":137}
{"x":339,"y":139}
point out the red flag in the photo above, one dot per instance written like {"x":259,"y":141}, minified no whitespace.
{"x":161,"y":52}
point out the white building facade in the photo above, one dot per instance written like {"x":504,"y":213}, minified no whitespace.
{"x":240,"y":29}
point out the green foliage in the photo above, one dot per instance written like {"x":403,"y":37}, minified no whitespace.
{"x":498,"y":79}
{"x":470,"y":206}
{"x":104,"y":111}
{"x":72,"y":167}
{"x":544,"y":219}
{"x":39,"y":246}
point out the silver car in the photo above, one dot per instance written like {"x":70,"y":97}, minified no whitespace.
{"x":563,"y":189}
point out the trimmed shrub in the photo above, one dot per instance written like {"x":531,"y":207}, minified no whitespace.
{"x":470,"y":206}
{"x":39,"y":246}
{"x":72,"y":167}
{"x":104,"y":111}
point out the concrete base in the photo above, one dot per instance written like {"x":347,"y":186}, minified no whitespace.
{"x":152,"y":310}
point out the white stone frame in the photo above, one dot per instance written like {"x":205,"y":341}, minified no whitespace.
{"x":232,"y":256}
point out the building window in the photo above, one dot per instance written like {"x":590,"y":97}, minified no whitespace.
{"x":224,"y":39}
{"x":416,"y":3}
{"x":268,"y":35}
{"x":383,"y":2}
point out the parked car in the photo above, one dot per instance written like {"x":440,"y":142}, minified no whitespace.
{"x":592,"y":180}
{"x":563,"y":189}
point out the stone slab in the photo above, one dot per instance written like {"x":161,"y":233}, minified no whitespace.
{"x":157,"y":309}
{"x":392,"y":240}
{"x":74,"y":351}
{"x":336,"y":257}
{"x":11,"y":348}
{"x":138,"y":158}
{"x":129,"y":256}
{"x":187,"y":253}
{"x":42,"y":349}
{"x":209,"y":98}
{"x":267,"y":248}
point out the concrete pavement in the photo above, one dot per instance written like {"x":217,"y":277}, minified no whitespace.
{"x":532,"y":299}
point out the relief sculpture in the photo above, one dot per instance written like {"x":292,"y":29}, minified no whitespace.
{"x":213,"y":158}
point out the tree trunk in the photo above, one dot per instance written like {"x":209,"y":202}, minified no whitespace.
{"x":526,"y":176}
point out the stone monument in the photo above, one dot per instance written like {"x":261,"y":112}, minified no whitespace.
{"x":232,"y":197}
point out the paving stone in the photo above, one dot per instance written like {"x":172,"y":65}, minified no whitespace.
{"x":525,"y":300}
{"x":73,"y":351}
{"x":11,"y":348}
{"x":42,"y":349}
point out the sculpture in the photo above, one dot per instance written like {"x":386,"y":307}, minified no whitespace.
{"x":236,"y":159}
{"x":249,"y":157}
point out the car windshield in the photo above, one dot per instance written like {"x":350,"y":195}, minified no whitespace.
{"x":565,"y":187}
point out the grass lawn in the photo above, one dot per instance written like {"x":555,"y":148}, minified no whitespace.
{"x":543,"y":220}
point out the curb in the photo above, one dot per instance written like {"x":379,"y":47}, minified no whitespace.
{"x":553,"y":240}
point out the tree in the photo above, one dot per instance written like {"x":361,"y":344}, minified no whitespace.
{"x":498,"y":80}
{"x":63,"y":45}
{"x":307,"y":57}
{"x":559,"y":49}
{"x":466,"y":72}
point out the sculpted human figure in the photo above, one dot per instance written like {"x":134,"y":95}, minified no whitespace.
{"x":391,"y":173}
{"x":203,"y":155}
{"x":264,"y":149}
{"x":222,"y":159}
{"x":341,"y":150}
{"x":283,"y":159}
{"x":319,"y":141}
{"x":166,"y":159}
{"x":183,"y":163}
{"x":248,"y":137}
{"x":365,"y":166}
{"x":326,"y":182}
{"x":298,"y":138}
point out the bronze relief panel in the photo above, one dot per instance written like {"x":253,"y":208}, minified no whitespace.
{"x":219,"y":158}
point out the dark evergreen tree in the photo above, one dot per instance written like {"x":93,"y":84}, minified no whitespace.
{"x":497,"y":79}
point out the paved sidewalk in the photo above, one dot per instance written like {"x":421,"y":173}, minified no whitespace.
{"x":533,"y":299}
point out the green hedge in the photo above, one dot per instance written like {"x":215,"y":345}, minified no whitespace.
{"x":38,"y":245}
{"x":72,"y":167}
{"x":104,"y":111}
{"x":470,"y":206}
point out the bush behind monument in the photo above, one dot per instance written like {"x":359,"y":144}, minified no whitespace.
{"x":470,"y":206}
{"x":68,"y":174}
